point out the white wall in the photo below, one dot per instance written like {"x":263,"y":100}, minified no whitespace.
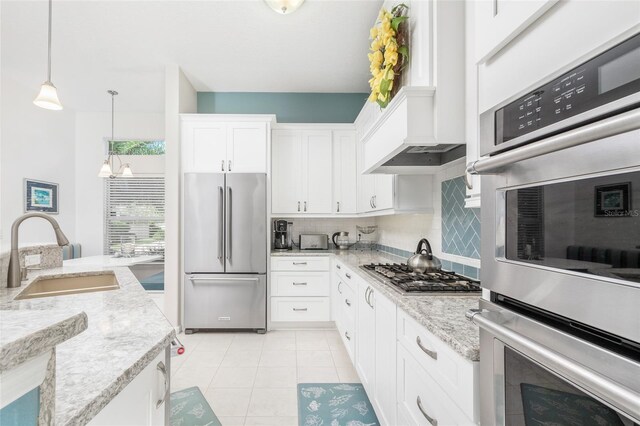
{"x":91,"y":129}
{"x":36,"y":144}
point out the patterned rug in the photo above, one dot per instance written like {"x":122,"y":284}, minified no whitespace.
{"x":334,"y":404}
{"x":190,"y":408}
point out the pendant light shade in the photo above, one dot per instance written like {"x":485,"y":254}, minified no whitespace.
{"x":48,"y":96}
{"x":126,"y":171}
{"x":284,"y":7}
{"x":105,"y":170}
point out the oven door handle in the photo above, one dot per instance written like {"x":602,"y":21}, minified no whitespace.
{"x":620,"y":123}
{"x":621,"y":397}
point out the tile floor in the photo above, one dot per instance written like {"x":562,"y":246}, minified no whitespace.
{"x":250,"y":379}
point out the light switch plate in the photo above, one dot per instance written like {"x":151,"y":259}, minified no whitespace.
{"x":31,"y":260}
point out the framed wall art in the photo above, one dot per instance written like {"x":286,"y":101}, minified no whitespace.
{"x":40,"y":196}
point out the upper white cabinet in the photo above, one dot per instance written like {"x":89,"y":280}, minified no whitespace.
{"x":221,"y":143}
{"x":344,"y":172}
{"x":302,"y":171}
{"x":500,"y":21}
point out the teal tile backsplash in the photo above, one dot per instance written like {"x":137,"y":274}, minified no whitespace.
{"x":460,"y":225}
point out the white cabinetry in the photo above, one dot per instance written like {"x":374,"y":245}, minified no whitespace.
{"x":366,"y":343}
{"x":301,"y":177}
{"x":344,"y":172}
{"x":500,"y":21}
{"x":300,"y":289}
{"x":211,"y":143}
{"x":345,"y":308}
{"x":142,"y":401}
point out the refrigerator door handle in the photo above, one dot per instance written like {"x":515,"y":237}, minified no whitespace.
{"x":229,"y":215}
{"x":220,"y":221}
{"x":223,"y":279}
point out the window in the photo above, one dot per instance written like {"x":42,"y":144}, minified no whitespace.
{"x":137,"y":147}
{"x":134,"y":215}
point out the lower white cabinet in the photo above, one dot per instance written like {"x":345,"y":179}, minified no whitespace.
{"x":143,"y":401}
{"x":366,"y":344}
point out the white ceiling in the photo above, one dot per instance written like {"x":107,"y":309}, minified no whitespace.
{"x":221,"y":46}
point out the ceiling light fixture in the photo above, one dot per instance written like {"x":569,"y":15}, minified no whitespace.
{"x":284,"y":7}
{"x":48,"y":96}
{"x":106,"y":171}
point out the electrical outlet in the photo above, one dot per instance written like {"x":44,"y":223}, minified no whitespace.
{"x":32,"y":260}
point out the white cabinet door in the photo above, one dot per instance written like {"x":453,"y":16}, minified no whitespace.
{"x":383,"y":195}
{"x":204,"y":147}
{"x":317,"y":171}
{"x":366,"y":342}
{"x":136,"y":404}
{"x":500,"y":21}
{"x":385,"y":355}
{"x":344,"y":172}
{"x":286,"y":175}
{"x":247,"y":147}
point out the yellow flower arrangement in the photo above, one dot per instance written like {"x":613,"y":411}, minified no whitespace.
{"x":389,"y":53}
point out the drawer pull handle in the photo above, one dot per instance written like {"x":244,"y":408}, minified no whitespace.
{"x":347,"y":275}
{"x":347,"y":302}
{"x":300,"y":309}
{"x":430,"y":419}
{"x":347,"y":335}
{"x":299,"y":263}
{"x":432,"y":354}
{"x":299,"y":283}
{"x":338,"y":266}
{"x":339,"y":291}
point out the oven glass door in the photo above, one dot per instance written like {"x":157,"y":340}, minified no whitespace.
{"x":534,"y":396}
{"x":587,"y":226}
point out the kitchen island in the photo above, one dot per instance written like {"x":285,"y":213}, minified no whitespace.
{"x":125,"y":332}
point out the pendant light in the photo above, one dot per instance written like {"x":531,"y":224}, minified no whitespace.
{"x":106,"y":171}
{"x":284,"y":7}
{"x":48,"y":96}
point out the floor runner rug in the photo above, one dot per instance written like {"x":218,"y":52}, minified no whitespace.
{"x":334,"y":404}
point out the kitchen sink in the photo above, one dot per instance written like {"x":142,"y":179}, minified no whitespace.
{"x":61,"y":286}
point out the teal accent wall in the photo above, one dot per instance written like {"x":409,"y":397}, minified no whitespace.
{"x":288,"y":107}
{"x":23,"y":411}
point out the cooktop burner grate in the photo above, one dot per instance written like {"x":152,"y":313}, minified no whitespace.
{"x":399,"y":275}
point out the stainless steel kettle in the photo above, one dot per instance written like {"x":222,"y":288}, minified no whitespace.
{"x":341,"y":240}
{"x":424,"y":260}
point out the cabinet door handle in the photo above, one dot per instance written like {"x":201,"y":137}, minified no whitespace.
{"x":339,"y":291}
{"x":347,"y":275}
{"x":300,"y":309}
{"x":346,"y":334}
{"x":368,"y":295}
{"x":298,"y":205}
{"x":229,"y":166}
{"x":371,"y":201}
{"x":299,"y":283}
{"x":338,"y":207}
{"x":340,"y":267}
{"x":430,"y":419}
{"x":161,"y":368}
{"x":375,"y":199}
{"x":222,"y":165}
{"x":305,"y":206}
{"x":299,"y":263}
{"x":347,"y":302}
{"x":432,"y":354}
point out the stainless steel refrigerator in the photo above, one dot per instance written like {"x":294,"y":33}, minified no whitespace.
{"x":225,"y":251}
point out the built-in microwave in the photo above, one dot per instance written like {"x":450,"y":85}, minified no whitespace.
{"x":560,"y":330}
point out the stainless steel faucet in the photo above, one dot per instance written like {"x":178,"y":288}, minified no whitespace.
{"x":14,"y":262}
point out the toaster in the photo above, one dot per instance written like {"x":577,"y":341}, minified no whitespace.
{"x":313,"y":242}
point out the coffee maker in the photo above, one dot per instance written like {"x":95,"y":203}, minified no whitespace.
{"x":282,"y":237}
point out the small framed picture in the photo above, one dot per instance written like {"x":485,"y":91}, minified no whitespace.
{"x":40,"y":196}
{"x":613,"y":200}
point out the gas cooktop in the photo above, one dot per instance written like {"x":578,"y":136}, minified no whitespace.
{"x":402,"y":279}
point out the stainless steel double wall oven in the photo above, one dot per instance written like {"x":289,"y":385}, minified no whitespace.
{"x":560,"y":335}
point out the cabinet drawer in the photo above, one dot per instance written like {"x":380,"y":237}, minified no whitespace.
{"x":347,"y":276}
{"x":457,"y":376}
{"x":300,"y":284}
{"x":317,"y":263}
{"x":300,"y":309}
{"x":347,"y":301}
{"x":348,"y":335}
{"x":420,"y":400}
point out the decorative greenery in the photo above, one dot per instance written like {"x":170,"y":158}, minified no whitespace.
{"x":137,"y":147}
{"x":389,"y":53}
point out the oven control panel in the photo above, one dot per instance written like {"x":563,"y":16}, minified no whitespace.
{"x":603,"y":79}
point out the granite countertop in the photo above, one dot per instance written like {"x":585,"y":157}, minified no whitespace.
{"x":27,"y":334}
{"x":110,"y":261}
{"x":125,"y":332}
{"x":443,"y":315}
